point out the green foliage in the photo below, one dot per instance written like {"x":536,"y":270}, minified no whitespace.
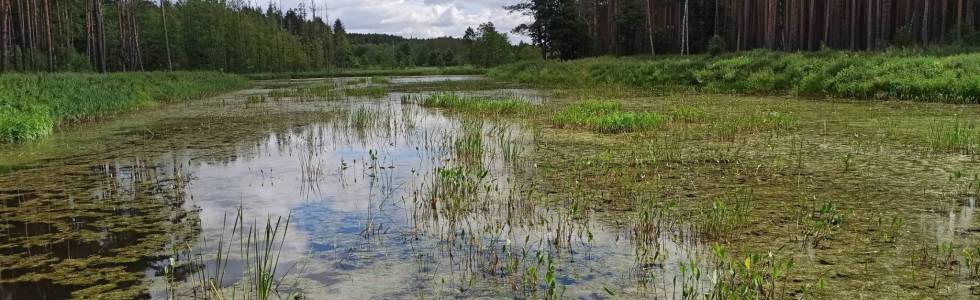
{"x":902,"y":75}
{"x":488,"y":47}
{"x":31,"y":105}
{"x":474,"y":104}
{"x":557,"y":27}
{"x":605,"y":117}
{"x":956,"y":135}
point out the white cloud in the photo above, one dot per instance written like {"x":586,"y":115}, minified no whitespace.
{"x":417,"y":18}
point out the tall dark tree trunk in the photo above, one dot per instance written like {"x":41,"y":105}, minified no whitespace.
{"x":925,"y":23}
{"x":166,"y":34}
{"x":650,"y":30}
{"x":870,"y":26}
{"x":98,"y":36}
{"x":4,"y":18}
{"x":22,"y":43}
{"x":942,"y":25}
{"x":959,"y":14}
{"x":50,"y":41}
{"x":970,"y":15}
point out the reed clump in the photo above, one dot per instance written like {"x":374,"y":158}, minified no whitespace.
{"x":605,"y":117}
{"x":369,"y":91}
{"x":473,"y":104}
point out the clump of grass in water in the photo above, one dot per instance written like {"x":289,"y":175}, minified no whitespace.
{"x":820,"y":224}
{"x":469,"y":146}
{"x":380,"y":80}
{"x":755,"y":277}
{"x":322,"y":91}
{"x":370,"y":92}
{"x":689,"y":114}
{"x":760,"y":122}
{"x":605,"y":117}
{"x":281,"y":93}
{"x":260,"y":249}
{"x":472,"y":104}
{"x":255,"y":99}
{"x":362,"y":118}
{"x":721,"y":218}
{"x":955,"y":135}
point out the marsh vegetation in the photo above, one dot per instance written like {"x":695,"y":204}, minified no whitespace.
{"x":433,"y":187}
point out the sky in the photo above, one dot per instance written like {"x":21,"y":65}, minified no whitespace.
{"x":418,"y":18}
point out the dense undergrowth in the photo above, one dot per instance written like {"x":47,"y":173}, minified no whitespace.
{"x":31,"y":105}
{"x":903,"y":75}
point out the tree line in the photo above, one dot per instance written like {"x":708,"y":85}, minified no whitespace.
{"x":576,"y":28}
{"x":227,"y":35}
{"x":483,"y":47}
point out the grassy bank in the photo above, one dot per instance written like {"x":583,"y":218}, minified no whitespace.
{"x":464,"y":70}
{"x":890,"y":75}
{"x":32,"y":105}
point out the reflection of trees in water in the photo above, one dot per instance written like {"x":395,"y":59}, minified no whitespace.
{"x":93,"y":224}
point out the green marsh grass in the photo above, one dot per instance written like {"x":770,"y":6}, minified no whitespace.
{"x":872,"y":75}
{"x":255,"y":99}
{"x":605,"y":117}
{"x":380,"y":80}
{"x":689,"y":113}
{"x":31,"y":106}
{"x":454,"y":85}
{"x":955,"y":135}
{"x":259,"y":249}
{"x":369,"y":92}
{"x":472,"y":104}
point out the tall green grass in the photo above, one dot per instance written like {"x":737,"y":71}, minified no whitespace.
{"x":899,"y":75}
{"x":472,"y":104}
{"x":31,"y":105}
{"x":605,"y":117}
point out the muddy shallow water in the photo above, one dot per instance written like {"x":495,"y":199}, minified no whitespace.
{"x":388,"y":199}
{"x":385,"y":200}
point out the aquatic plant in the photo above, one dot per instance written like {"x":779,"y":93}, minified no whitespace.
{"x":472,"y":104}
{"x":255,"y":99}
{"x":955,"y":135}
{"x":754,"y":277}
{"x":369,"y":91}
{"x":689,"y":113}
{"x":605,"y":117}
{"x":820,"y":224}
{"x":380,"y":80}
{"x":259,"y":251}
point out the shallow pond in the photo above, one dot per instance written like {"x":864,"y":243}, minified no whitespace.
{"x":384,"y":199}
{"x":352,"y":189}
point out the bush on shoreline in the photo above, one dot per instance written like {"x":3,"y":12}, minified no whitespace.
{"x":897,"y":75}
{"x":31,"y":105}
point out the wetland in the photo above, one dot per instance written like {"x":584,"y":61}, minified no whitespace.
{"x":469,"y":187}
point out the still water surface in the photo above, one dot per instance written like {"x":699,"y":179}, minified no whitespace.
{"x":385,"y":199}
